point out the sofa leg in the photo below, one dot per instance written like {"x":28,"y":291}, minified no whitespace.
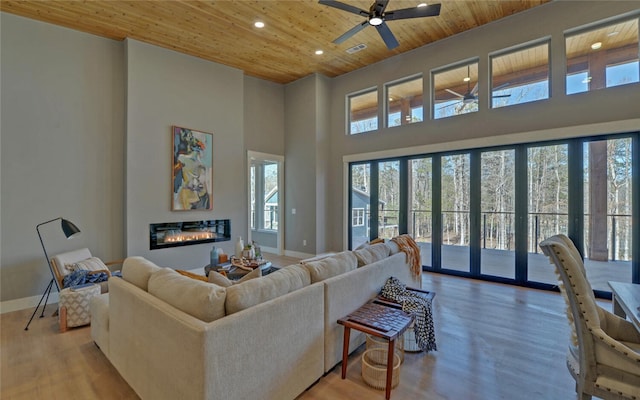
{"x":63,"y":319}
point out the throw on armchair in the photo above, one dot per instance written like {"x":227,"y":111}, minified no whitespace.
{"x":605,"y":358}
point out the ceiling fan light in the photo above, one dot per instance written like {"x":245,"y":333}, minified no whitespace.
{"x":375,"y":21}
{"x":422,"y":5}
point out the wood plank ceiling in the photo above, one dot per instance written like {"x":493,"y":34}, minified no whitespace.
{"x":284,"y":50}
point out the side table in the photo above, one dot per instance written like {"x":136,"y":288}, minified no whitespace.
{"x":74,"y":306}
{"x":377,"y":319}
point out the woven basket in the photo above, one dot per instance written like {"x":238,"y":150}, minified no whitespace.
{"x":374,"y":368}
{"x":410,"y":343}
{"x":374,"y":342}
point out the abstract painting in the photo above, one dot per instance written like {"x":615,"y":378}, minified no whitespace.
{"x":192,"y":170}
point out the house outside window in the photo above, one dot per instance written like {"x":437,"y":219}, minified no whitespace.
{"x":357,"y":217}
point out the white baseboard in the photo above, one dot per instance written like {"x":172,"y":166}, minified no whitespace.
{"x":298,"y":254}
{"x":26,"y":302}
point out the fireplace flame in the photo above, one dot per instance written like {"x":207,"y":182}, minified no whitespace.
{"x":182,"y":236}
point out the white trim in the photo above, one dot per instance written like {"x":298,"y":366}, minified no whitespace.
{"x":272,"y":250}
{"x":604,"y":128}
{"x":28,"y":302}
{"x":256,"y":155}
{"x":297,"y":254}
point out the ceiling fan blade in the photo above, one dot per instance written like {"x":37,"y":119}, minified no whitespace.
{"x":387,"y":36}
{"x":379,"y":6}
{"x":501,"y":86}
{"x":474,"y":91}
{"x":448,"y":105}
{"x":344,"y":7}
{"x":351,"y":32}
{"x":501,"y":95}
{"x":413,"y":12}
{"x":455,"y":93}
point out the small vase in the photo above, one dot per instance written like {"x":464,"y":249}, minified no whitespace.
{"x":239,"y":247}
{"x":213,"y":257}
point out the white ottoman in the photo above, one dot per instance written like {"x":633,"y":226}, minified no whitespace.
{"x":74,"y":306}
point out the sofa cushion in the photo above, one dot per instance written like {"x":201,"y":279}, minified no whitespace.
{"x":256,"y":291}
{"x":221,"y":280}
{"x":331,"y":266}
{"x":137,"y":270}
{"x":202,"y":300}
{"x":371,"y":254}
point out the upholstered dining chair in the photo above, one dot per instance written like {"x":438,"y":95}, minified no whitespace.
{"x":605,"y":358}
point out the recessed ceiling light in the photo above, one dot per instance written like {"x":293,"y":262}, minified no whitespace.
{"x":319,"y":52}
{"x":258,"y":24}
{"x":596,"y":45}
{"x":466,"y":79}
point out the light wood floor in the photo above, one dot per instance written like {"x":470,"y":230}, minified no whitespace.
{"x":494,"y":342}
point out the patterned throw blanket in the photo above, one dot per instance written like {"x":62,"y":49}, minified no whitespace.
{"x":83,"y":276}
{"x":411,"y":249}
{"x":412,"y":302}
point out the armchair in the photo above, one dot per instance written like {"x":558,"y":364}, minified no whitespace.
{"x":64,"y":264}
{"x":61,"y":265}
{"x":605,"y":358}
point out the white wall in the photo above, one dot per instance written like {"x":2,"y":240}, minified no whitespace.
{"x":166,"y":88}
{"x":62,"y":134}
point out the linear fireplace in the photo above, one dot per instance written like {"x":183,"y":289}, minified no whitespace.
{"x":174,"y":234}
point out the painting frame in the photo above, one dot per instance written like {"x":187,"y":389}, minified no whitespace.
{"x":191,"y":169}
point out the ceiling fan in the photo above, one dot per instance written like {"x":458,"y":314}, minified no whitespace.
{"x":377,"y":16}
{"x":471,"y":95}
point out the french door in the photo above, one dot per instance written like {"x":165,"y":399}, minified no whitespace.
{"x":483,"y":212}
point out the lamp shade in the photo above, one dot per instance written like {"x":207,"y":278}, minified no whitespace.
{"x":69,"y":229}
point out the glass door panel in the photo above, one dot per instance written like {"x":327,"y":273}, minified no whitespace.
{"x":420,"y":205}
{"x":607,"y":209}
{"x":360,"y":204}
{"x":548,"y":183}
{"x":265,"y":191}
{"x":497,"y":255}
{"x":388,"y":198}
{"x":455,"y":212}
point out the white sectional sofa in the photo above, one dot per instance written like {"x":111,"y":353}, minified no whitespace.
{"x":273,"y":337}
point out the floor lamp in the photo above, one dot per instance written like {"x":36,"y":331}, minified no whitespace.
{"x":69,"y":230}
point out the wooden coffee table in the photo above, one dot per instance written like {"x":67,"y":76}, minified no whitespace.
{"x":377,"y":319}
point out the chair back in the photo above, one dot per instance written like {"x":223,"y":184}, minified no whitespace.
{"x":60,"y":261}
{"x":582,"y":303}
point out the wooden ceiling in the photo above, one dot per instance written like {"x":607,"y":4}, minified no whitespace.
{"x":284,"y":50}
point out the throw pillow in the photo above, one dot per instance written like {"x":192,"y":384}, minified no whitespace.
{"x":371,"y":254}
{"x":221,"y":280}
{"x":137,"y":270}
{"x":331,"y":266}
{"x":90,"y":264}
{"x":202,"y":300}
